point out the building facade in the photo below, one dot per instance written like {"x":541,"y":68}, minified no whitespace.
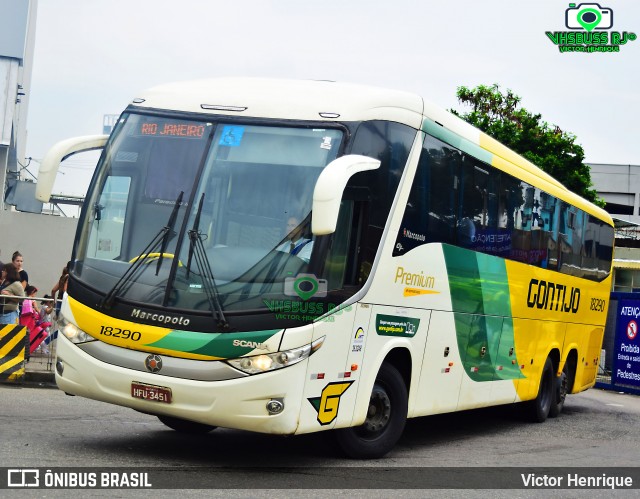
{"x":619,"y":186}
{"x":45,"y":241}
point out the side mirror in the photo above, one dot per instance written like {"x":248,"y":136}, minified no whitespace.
{"x":329,"y":188}
{"x":58,"y":153}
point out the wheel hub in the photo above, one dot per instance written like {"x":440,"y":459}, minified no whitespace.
{"x":379,"y":412}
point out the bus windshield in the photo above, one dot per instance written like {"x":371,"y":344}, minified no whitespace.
{"x":180,"y":206}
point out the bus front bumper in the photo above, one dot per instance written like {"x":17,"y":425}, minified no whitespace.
{"x":237,"y":403}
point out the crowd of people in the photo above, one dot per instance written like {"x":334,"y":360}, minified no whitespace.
{"x":19,"y":304}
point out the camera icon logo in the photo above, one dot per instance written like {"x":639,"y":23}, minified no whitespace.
{"x":305,"y":286}
{"x":588,"y":16}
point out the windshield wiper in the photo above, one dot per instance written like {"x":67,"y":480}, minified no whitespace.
{"x":168,"y":230}
{"x":161,"y":239}
{"x":196,"y":248}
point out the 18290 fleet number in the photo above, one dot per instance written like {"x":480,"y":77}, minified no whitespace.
{"x":116,"y":332}
{"x":597,"y":304}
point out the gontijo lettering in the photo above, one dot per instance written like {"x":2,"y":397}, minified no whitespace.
{"x":547,"y":295}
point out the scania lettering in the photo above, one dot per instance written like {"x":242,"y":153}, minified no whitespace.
{"x":290,"y":257}
{"x":251,"y":344}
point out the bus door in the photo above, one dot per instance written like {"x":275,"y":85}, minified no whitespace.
{"x":442,"y":368}
{"x":479,"y":339}
{"x":588,"y":340}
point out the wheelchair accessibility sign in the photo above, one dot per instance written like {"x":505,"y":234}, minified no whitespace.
{"x":231,"y":136}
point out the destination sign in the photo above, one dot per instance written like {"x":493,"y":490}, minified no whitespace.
{"x":171,"y":129}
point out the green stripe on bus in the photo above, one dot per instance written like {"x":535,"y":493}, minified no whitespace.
{"x":439,"y":132}
{"x":484,"y":328}
{"x":215,"y":345}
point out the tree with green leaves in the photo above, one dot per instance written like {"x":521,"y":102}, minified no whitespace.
{"x":554,"y":150}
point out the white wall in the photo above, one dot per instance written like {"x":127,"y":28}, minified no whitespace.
{"x":45,"y":242}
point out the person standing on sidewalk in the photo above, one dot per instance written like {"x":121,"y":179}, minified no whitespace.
{"x":59,"y":288}
{"x":17,"y":262}
{"x":11,"y":286}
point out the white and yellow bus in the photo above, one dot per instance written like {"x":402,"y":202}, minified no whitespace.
{"x":440,"y":271}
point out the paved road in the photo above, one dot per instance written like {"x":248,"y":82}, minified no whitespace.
{"x":45,"y":428}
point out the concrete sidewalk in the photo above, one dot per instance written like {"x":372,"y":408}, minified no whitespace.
{"x":40,"y":370}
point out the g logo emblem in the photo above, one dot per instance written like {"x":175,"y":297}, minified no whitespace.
{"x":153,"y":363}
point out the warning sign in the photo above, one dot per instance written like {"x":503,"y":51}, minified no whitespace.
{"x":627,"y":344}
{"x":632,"y":330}
{"x":12,"y":343}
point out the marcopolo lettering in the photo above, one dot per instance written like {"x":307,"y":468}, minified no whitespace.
{"x":547,"y":295}
{"x":160,"y":318}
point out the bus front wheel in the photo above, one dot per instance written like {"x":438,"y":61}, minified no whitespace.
{"x":538,"y":409}
{"x":385,"y":421}
{"x":186,"y":426}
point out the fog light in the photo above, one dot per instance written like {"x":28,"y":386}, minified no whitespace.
{"x":275,"y":406}
{"x":59,"y":367}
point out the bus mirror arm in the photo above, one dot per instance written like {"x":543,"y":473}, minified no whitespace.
{"x":329,"y":188}
{"x":58,"y":153}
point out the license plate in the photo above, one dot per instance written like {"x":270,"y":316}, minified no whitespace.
{"x":150,"y":392}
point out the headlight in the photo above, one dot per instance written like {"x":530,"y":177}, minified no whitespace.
{"x":73,"y":332}
{"x":272,"y":361}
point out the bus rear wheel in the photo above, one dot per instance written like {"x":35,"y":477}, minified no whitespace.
{"x":385,"y":421}
{"x":186,"y":426}
{"x":538,"y":409}
{"x":561,"y":390}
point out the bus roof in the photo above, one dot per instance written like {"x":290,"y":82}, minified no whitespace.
{"x":321,"y":100}
{"x":285,"y":99}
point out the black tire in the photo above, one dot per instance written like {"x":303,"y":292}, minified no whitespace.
{"x":186,"y":426}
{"x":386,"y":418}
{"x":538,"y":409}
{"x":561,"y":390}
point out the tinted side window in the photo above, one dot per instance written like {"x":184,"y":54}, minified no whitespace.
{"x":430,"y":215}
{"x":390,"y":143}
{"x":457,"y":199}
{"x":482,"y":218}
{"x":519,"y":217}
{"x":605,"y":250}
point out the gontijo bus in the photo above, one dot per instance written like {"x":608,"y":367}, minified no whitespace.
{"x":444,"y":272}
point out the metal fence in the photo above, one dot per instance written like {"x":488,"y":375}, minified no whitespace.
{"x":44,"y":357}
{"x":41,"y":360}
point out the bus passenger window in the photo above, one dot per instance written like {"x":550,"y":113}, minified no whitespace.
{"x":519,"y":218}
{"x":430,"y":214}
